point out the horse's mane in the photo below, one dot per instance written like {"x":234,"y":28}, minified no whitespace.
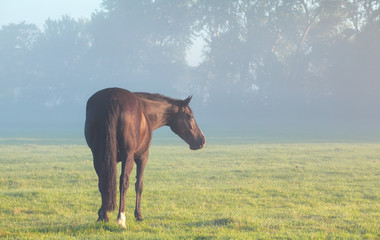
{"x":157,"y":97}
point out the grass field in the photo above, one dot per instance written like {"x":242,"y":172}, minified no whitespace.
{"x":243,"y":191}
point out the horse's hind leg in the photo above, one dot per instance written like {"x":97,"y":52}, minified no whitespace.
{"x":102,"y":213}
{"x":140,"y":162}
{"x":126,"y":169}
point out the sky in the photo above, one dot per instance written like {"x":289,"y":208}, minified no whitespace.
{"x":37,"y":11}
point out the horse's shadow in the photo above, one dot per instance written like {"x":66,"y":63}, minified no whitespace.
{"x":219,"y":222}
{"x":229,"y":222}
{"x":79,"y":229}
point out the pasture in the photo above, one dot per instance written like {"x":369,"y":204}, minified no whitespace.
{"x":237,"y":191}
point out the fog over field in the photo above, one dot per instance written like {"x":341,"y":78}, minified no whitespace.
{"x":308,"y":68}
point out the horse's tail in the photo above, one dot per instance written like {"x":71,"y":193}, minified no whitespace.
{"x":107,"y":178}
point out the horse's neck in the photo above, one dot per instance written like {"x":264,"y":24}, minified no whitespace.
{"x":157,"y":112}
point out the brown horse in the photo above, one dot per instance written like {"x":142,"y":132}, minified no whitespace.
{"x":119,"y":127}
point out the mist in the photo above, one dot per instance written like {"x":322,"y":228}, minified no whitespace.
{"x":254,"y":68}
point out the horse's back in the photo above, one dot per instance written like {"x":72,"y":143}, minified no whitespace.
{"x":108,"y":98}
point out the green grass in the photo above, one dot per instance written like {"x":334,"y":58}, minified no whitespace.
{"x":246,"y":191}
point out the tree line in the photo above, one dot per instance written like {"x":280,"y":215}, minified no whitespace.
{"x":276,"y":58}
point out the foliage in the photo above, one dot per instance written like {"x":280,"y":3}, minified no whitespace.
{"x":289,"y":53}
{"x":315,"y":57}
{"x":250,"y":191}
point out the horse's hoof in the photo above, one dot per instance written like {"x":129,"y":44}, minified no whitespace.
{"x":121,"y":220}
{"x":103,"y":220}
{"x":138,"y":216}
{"x":103,"y":216}
{"x":122,"y":225}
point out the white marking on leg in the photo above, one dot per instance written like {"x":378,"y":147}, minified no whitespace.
{"x":121,"y":219}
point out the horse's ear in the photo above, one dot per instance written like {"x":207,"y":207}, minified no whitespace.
{"x":187,"y":101}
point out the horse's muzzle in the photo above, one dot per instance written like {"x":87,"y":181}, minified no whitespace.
{"x":200,"y":143}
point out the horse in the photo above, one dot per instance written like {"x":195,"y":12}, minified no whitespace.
{"x":118,"y":128}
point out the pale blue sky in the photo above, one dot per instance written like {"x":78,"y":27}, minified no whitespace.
{"x":37,"y":11}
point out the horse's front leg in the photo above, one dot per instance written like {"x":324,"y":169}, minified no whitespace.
{"x":126,"y":169}
{"x":141,"y":163}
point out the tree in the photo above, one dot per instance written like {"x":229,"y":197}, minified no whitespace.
{"x":16,"y":63}
{"x":142,"y":43}
{"x":297,"y":58}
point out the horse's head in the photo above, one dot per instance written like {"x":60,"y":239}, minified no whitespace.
{"x":183,"y":124}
